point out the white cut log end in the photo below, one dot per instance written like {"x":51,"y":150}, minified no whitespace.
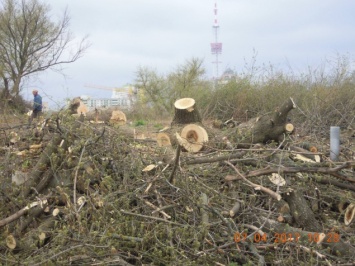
{"x":277,"y":179}
{"x":149,"y":168}
{"x":163,"y":139}
{"x":55,"y":212}
{"x":118,"y":117}
{"x":11,"y":242}
{"x":185,"y":103}
{"x":194,"y":137}
{"x":42,"y":236}
{"x":349,"y":214}
{"x":289,"y":128}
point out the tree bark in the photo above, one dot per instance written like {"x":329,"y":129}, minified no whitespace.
{"x":186,"y":112}
{"x":265,"y":128}
{"x":301,"y":212}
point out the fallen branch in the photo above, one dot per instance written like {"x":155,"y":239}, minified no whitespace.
{"x":273,"y":194}
{"x":286,"y":170}
{"x":150,"y":217}
{"x":23,"y":211}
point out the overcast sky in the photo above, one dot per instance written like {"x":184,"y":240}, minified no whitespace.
{"x":163,"y":34}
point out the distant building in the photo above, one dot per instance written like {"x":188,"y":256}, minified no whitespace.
{"x":227,"y":76}
{"x":121,"y":98}
{"x":106,"y":102}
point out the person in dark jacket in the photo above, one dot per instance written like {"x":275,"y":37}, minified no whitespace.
{"x":37,"y":106}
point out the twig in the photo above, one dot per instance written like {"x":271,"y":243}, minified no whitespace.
{"x":215,"y":191}
{"x":177,"y":157}
{"x":324,"y":170}
{"x":273,"y":194}
{"x":76,"y":174}
{"x":167,"y":216}
{"x":58,"y":254}
{"x":150,"y":217}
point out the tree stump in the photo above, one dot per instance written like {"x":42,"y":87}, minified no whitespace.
{"x":186,"y":128}
{"x":185,"y":112}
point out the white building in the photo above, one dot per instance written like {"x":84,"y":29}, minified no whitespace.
{"x":121,"y":97}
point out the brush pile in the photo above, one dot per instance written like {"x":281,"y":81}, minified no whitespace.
{"x":74,"y":192}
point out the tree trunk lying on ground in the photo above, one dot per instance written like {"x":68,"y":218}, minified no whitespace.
{"x":264,"y":128}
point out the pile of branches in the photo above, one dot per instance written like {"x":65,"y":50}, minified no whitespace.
{"x":77,"y":193}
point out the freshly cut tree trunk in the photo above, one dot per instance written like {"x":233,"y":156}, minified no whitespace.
{"x":265,"y":128}
{"x":192,"y":137}
{"x":186,"y":128}
{"x":185,"y":112}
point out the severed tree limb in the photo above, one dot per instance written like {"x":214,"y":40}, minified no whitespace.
{"x":236,"y":155}
{"x":301,"y":211}
{"x":176,"y":163}
{"x":283,"y":170}
{"x":273,"y":194}
{"x":335,"y":183}
{"x":265,"y":128}
{"x":204,"y":214}
{"x":41,"y":165}
{"x":150,"y":217}
{"x":23,"y":211}
{"x":167,"y":216}
{"x":128,"y":238}
{"x":32,"y":215}
{"x":76,"y":174}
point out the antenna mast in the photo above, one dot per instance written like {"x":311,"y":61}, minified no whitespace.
{"x":216,"y":47}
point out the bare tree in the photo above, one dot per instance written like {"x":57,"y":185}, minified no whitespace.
{"x":31,"y":42}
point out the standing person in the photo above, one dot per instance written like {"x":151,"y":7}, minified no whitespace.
{"x":37,"y":106}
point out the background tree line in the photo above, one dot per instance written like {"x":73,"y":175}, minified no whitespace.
{"x":325,"y":96}
{"x":32,"y":43}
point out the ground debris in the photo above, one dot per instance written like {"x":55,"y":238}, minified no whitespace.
{"x":94,"y":195}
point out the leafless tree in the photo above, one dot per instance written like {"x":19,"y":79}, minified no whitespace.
{"x":31,"y":42}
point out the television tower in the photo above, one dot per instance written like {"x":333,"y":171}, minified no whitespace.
{"x":216,"y":47}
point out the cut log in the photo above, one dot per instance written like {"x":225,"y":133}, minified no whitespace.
{"x":106,"y":115}
{"x":306,"y":153}
{"x":186,"y":112}
{"x":265,"y":128}
{"x":99,"y":115}
{"x":163,"y":139}
{"x":11,"y":242}
{"x":349,"y":214}
{"x":235,"y":209}
{"x":192,"y":137}
{"x":118,"y":117}
{"x":289,"y":128}
{"x":76,"y":106}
